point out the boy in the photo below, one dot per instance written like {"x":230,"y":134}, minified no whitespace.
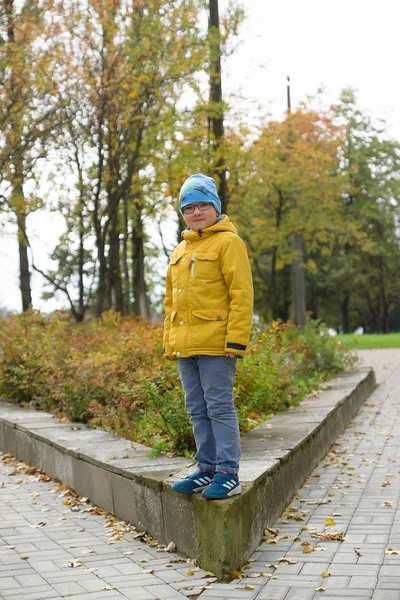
{"x":208,"y":306}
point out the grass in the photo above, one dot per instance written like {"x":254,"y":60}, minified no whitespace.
{"x":370,"y":340}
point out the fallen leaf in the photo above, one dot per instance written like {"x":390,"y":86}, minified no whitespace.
{"x":307,"y":549}
{"x":236,"y":574}
{"x":171,"y":547}
{"x":36,"y":525}
{"x":249,"y":587}
{"x":289,"y":561}
{"x":335,"y":536}
{"x":320,"y":589}
{"x":330,"y":522}
{"x":74,"y":564}
{"x":325,"y":574}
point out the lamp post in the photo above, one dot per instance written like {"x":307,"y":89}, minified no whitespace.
{"x":297,"y":270}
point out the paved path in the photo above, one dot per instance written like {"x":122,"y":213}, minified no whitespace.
{"x":53,"y":545}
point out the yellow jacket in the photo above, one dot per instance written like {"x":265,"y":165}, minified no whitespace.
{"x":209,"y":294}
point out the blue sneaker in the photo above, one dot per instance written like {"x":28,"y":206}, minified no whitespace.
{"x":223,"y":485}
{"x":197,"y":482}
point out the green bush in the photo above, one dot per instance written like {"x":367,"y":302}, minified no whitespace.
{"x":110,"y":374}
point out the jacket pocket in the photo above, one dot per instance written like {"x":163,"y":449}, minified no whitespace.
{"x":174,"y":268}
{"x":207,"y":331}
{"x":210,"y":314}
{"x":206,"y":266}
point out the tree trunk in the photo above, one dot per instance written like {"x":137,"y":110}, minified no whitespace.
{"x":25,"y":276}
{"x":298,"y":283}
{"x":115,"y":270}
{"x":345,"y":305}
{"x":216,"y":118}
{"x":384,"y":300}
{"x":125,"y":265}
{"x":18,"y":201}
{"x":81,"y":259}
{"x":101,"y":290}
{"x":138,"y":279}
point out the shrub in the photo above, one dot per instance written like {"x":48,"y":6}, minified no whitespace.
{"x":109,"y":373}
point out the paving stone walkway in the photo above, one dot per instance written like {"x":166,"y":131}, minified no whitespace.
{"x":53,"y":545}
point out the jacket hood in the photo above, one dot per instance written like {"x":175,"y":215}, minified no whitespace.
{"x":221,"y":224}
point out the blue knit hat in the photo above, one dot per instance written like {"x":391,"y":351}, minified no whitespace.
{"x":199,"y":188}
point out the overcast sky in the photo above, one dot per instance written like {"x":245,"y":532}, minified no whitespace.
{"x":326,"y":43}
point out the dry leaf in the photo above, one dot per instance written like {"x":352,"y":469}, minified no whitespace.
{"x":330,"y":522}
{"x":325,"y":574}
{"x":307,"y":549}
{"x":320,"y":589}
{"x":335,"y":536}
{"x":36,"y":525}
{"x":74,"y":564}
{"x":289,"y":561}
{"x":236,"y":574}
{"x":249,"y":587}
{"x":171,"y":547}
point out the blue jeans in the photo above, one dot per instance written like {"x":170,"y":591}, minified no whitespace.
{"x":208,"y":385}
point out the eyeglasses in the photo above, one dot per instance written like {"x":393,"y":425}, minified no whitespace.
{"x":188,"y":210}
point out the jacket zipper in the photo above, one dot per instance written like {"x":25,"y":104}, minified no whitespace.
{"x":191,"y":264}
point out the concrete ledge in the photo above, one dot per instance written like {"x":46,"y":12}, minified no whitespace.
{"x":118,"y":476}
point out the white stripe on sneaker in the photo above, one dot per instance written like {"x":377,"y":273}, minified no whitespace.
{"x":229,"y":484}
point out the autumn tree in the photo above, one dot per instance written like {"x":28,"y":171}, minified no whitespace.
{"x":28,"y":111}
{"x":127,"y":64}
{"x":363,"y":272}
{"x":297,"y":157}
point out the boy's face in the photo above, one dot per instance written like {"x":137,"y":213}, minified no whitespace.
{"x":200,"y":219}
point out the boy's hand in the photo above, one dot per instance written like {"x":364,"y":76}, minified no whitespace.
{"x":230,"y":354}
